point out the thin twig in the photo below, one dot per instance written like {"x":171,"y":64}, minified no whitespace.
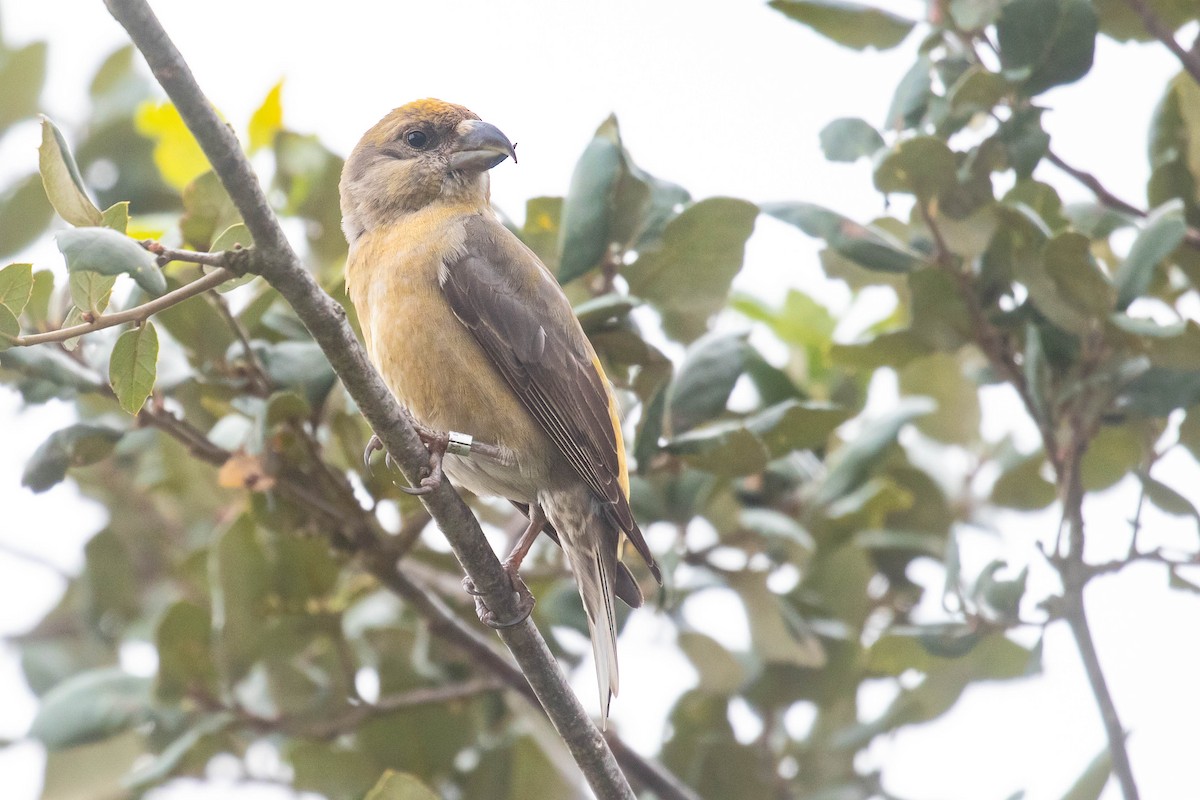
{"x":1075,"y":574}
{"x":1159,"y":30}
{"x":34,"y":558}
{"x":1107,"y":198}
{"x":136,"y":314}
{"x":352,"y":718}
{"x":255,"y":369}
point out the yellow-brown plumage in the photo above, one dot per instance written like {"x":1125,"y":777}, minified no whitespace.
{"x":473,"y":334}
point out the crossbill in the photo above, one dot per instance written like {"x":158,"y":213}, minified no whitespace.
{"x":473,"y":334}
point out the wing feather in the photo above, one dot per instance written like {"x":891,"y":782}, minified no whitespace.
{"x":508,"y":306}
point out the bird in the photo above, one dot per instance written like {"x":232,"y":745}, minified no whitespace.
{"x":474,"y":336}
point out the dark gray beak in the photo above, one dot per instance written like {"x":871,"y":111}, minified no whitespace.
{"x":481,"y":146}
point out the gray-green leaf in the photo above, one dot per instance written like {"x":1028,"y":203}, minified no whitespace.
{"x":133,"y":366}
{"x":105,"y":251}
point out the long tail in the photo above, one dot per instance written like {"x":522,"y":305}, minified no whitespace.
{"x":590,"y":542}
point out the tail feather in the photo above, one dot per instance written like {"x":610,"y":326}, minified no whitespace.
{"x":590,"y":543}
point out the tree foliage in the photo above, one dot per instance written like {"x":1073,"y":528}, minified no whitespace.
{"x":228,"y":455}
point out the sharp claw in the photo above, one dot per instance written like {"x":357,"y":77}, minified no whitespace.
{"x":373,"y":444}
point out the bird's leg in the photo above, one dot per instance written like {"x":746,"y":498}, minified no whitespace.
{"x":436,"y":442}
{"x":511,"y":567}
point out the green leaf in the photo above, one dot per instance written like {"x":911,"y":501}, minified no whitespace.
{"x":116,"y":216}
{"x":267,"y":120}
{"x":976,"y":91}
{"x":105,"y":251}
{"x":1159,"y":391}
{"x":974,"y":15}
{"x":1001,"y":596}
{"x":940,"y":377}
{"x":24,"y":214}
{"x":164,"y":765}
{"x":240,"y":581}
{"x":923,"y":166}
{"x":62,"y":181}
{"x":207,"y":211}
{"x":1090,"y":784}
{"x":853,"y":462}
{"x":10,"y":327}
{"x":779,"y":634}
{"x":300,"y":366}
{"x":1120,"y":20}
{"x":22,"y":75}
{"x":74,"y":446}
{"x":912,"y":96}
{"x":237,"y":235}
{"x":783,"y":539}
{"x":38,"y":309}
{"x":90,"y":291}
{"x":52,"y":366}
{"x":543,"y":228}
{"x":701,"y":249}
{"x":705,"y":379}
{"x":91,"y":706}
{"x":746,"y":446}
{"x":400,"y":786}
{"x":1045,"y":43}
{"x":1096,"y":220}
{"x":184,"y":642}
{"x":335,"y":772}
{"x":598,"y":313}
{"x":1166,"y":499}
{"x":1164,"y":231}
{"x":849,"y":139}
{"x":92,"y":770}
{"x":1022,"y":486}
{"x":16,"y":287}
{"x":1078,"y":277}
{"x":720,"y":671}
{"x":586,"y":211}
{"x":851,"y":24}
{"x":133,"y":366}
{"x":1114,"y":452}
{"x":864,"y":245}
{"x":886,"y":350}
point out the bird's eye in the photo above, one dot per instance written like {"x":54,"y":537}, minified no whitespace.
{"x":418,"y":140}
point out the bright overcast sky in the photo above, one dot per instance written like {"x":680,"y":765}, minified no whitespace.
{"x":726,"y":99}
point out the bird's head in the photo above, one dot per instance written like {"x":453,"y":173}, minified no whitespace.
{"x":423,"y":153}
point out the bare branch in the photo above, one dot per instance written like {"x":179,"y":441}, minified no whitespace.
{"x":351,"y":719}
{"x":1191,"y":235}
{"x":1159,"y":30}
{"x":1075,"y":574}
{"x":326,"y":321}
{"x":136,"y":314}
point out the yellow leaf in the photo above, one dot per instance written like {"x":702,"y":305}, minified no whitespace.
{"x":245,"y":471}
{"x":176,"y":153}
{"x":267,"y":120}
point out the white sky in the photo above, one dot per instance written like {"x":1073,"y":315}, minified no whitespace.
{"x":726,"y":99}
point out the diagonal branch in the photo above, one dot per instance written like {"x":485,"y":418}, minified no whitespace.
{"x":1191,"y":235}
{"x":1159,"y":30}
{"x":326,"y":321}
{"x":377,"y":555}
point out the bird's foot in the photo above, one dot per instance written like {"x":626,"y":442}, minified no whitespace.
{"x":436,"y":443}
{"x":525,"y":600}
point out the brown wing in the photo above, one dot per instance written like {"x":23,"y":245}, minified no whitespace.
{"x":520,"y":317}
